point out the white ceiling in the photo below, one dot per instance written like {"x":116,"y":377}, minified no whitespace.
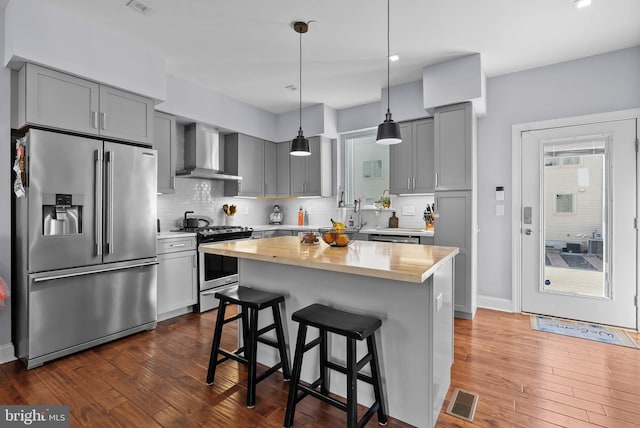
{"x":248,"y":50}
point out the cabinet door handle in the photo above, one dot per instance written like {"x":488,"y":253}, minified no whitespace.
{"x":103,"y":120}
{"x":176,"y":245}
{"x":195,"y":261}
{"x":94,"y":119}
{"x":414,"y":183}
{"x":436,"y":179}
{"x":408,"y":183}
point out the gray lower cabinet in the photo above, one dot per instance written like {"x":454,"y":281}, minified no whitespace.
{"x":411,"y":162}
{"x":165,"y":142}
{"x":57,"y":100}
{"x":177,"y":276}
{"x":455,"y":222}
{"x":311,"y":175}
{"x":455,"y":152}
{"x":244,"y":156}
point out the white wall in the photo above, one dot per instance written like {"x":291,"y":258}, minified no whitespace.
{"x":600,"y":83}
{"x":6,"y":177}
{"x":42,"y":34}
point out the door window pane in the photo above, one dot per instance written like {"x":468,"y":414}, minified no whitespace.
{"x":574,"y":195}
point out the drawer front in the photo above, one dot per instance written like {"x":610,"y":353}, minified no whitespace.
{"x":172,"y":245}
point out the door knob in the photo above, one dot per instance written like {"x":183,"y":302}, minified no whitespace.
{"x":527,"y":231}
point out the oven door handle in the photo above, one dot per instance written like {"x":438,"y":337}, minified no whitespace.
{"x":209,"y":293}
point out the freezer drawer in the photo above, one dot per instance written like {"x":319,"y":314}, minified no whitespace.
{"x":69,"y":312}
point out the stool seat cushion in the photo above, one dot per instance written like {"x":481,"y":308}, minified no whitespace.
{"x":336,"y":321}
{"x":249,"y":297}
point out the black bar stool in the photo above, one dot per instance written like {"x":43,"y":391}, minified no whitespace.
{"x":250,"y":301}
{"x":353,"y":327}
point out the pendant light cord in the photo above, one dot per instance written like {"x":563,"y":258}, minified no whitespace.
{"x":300,"y":109}
{"x":388,"y":62}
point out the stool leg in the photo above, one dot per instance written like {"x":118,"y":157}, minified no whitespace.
{"x":252,"y":347}
{"x":352,"y":384}
{"x":324,"y":356}
{"x":295,"y":376}
{"x":244,"y":319}
{"x":215,"y":347}
{"x":377,"y":381}
{"x":282,"y":344}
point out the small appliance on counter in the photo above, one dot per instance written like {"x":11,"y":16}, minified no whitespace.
{"x":276,"y":215}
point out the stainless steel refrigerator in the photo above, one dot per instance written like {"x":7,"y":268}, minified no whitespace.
{"x":85,"y":244}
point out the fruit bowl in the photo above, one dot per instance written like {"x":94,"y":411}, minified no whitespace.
{"x":337,"y":237}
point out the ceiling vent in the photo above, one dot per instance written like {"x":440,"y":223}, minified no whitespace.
{"x":138,"y":6}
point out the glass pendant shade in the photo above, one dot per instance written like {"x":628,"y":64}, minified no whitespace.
{"x":388,"y":132}
{"x":300,"y":145}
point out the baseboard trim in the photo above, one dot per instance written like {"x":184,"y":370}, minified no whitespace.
{"x":495,"y":303}
{"x":7,"y":353}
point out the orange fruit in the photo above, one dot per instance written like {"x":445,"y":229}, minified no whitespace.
{"x":328,"y":237}
{"x":342,"y":240}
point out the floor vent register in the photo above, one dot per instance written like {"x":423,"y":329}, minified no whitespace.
{"x":463,"y":404}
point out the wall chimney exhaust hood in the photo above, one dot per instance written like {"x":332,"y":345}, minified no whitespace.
{"x":203,"y":154}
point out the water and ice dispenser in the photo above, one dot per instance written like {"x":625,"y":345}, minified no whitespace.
{"x":61,"y":214}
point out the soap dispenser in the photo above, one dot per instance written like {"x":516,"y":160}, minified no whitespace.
{"x":300,"y":217}
{"x":393,"y":221}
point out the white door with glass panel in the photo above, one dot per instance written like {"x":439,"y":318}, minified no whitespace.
{"x":579,"y":191}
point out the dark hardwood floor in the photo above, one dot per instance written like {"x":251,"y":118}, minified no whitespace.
{"x":156,"y":379}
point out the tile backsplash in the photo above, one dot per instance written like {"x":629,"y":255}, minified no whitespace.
{"x":206,"y":198}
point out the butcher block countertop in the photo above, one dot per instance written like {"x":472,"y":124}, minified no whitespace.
{"x":401,"y":262}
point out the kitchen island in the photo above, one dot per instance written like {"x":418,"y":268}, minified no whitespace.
{"x":410,"y":287}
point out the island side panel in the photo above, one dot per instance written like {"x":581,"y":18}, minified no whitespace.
{"x":405,"y":340}
{"x":443,"y":314}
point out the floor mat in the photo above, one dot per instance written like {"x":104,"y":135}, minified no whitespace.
{"x":582,"y":330}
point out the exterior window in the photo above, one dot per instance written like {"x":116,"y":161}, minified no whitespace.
{"x":562,"y":161}
{"x":565,"y":203}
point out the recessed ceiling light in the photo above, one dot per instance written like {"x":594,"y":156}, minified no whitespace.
{"x":394,"y":57}
{"x":579,"y":4}
{"x":138,"y":6}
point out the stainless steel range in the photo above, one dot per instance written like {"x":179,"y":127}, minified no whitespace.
{"x":216,"y":272}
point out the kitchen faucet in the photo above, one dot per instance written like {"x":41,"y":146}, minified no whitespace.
{"x":356,"y":209}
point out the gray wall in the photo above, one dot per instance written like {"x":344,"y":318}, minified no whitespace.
{"x":6,"y":181}
{"x":596,"y":84}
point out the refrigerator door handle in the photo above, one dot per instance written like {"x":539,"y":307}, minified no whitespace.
{"x":98,"y":202}
{"x":92,"y":272}
{"x":109,"y":208}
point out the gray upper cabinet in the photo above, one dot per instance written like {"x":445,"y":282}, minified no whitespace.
{"x":270,"y":169}
{"x":57,"y":100}
{"x":411,"y":162}
{"x":282,"y":174}
{"x":165,"y":142}
{"x":311,"y":175}
{"x":244,"y":156}
{"x":276,"y":169}
{"x":454,"y":157}
{"x":125,"y":116}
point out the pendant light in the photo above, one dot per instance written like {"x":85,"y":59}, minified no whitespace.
{"x":300,"y":144}
{"x":388,"y":131}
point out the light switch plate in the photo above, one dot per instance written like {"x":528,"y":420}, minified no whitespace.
{"x":408,"y":210}
{"x":499,"y":209}
{"x":246,"y":210}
